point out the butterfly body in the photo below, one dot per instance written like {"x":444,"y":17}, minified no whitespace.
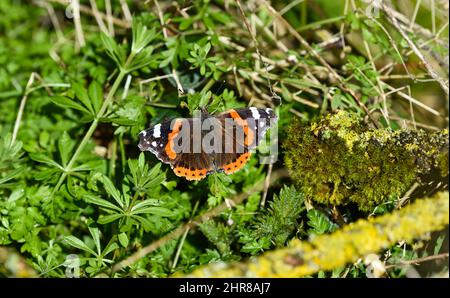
{"x":196,"y":147}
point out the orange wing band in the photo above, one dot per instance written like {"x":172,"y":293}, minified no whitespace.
{"x":189,"y":174}
{"x":172,"y":135}
{"x":238,"y":164}
{"x":249,"y":136}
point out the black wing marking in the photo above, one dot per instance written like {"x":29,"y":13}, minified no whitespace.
{"x":154,"y":139}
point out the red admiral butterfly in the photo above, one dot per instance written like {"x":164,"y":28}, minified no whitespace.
{"x":221,"y":143}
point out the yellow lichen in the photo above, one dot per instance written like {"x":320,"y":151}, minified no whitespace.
{"x":326,"y":252}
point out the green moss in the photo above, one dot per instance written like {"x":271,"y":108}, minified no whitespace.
{"x":339,"y":160}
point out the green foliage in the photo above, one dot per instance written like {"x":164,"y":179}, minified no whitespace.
{"x":97,"y":257}
{"x":10,"y":159}
{"x":319,"y":223}
{"x":72,"y":180}
{"x":219,"y":234}
{"x":276,"y":224}
{"x":208,"y":66}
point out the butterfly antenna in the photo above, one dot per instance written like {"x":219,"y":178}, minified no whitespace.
{"x":221,"y":87}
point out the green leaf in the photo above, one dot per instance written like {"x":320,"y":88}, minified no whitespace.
{"x":11,"y":175}
{"x":109,"y":218}
{"x":123,"y":239}
{"x":219,"y":185}
{"x":257,"y":246}
{"x":66,"y":102}
{"x":218,"y":234}
{"x":144,"y":222}
{"x":121,"y":121}
{"x":142,"y":59}
{"x":319,"y":222}
{"x":278,"y":222}
{"x":112,"y":49}
{"x":88,"y":166}
{"x":439,"y":242}
{"x":336,"y":101}
{"x":39,"y":157}
{"x":161,"y":211}
{"x":101,"y":202}
{"x":111,"y":189}
{"x":145,"y":180}
{"x":144,"y":204}
{"x":221,"y":17}
{"x":109,"y":248}
{"x":96,"y":236}
{"x":141,"y":36}
{"x":77,"y":243}
{"x":82,"y":95}
{"x":186,"y":23}
{"x":65,"y":146}
{"x":96,"y":95}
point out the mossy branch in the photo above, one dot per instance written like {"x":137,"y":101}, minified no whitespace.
{"x":326,"y":252}
{"x":340,"y":160}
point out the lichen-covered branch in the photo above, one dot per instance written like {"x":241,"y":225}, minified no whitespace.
{"x":326,"y":252}
{"x":340,"y":160}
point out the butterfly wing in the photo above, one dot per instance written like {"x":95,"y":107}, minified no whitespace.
{"x":156,"y":138}
{"x":240,"y":129}
{"x":193,"y":166}
{"x":245,"y":128}
{"x":164,"y":141}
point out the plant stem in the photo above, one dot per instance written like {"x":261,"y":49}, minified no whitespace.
{"x":122,"y":152}
{"x":92,"y":128}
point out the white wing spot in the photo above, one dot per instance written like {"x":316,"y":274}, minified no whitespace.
{"x":157,"y":131}
{"x":255,"y":113}
{"x":143,"y":133}
{"x":261,"y":124}
{"x":154,"y":144}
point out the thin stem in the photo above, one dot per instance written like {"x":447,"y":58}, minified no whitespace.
{"x":113,"y":158}
{"x":419,"y":260}
{"x":183,"y":238}
{"x":266,"y":186}
{"x":78,"y":29}
{"x":208,"y":85}
{"x":21,"y":108}
{"x":92,"y":128}
{"x":122,"y":152}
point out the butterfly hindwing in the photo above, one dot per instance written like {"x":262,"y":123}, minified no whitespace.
{"x":231,"y":162}
{"x":193,"y":166}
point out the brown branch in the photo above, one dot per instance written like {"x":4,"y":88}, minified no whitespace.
{"x":419,"y":260}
